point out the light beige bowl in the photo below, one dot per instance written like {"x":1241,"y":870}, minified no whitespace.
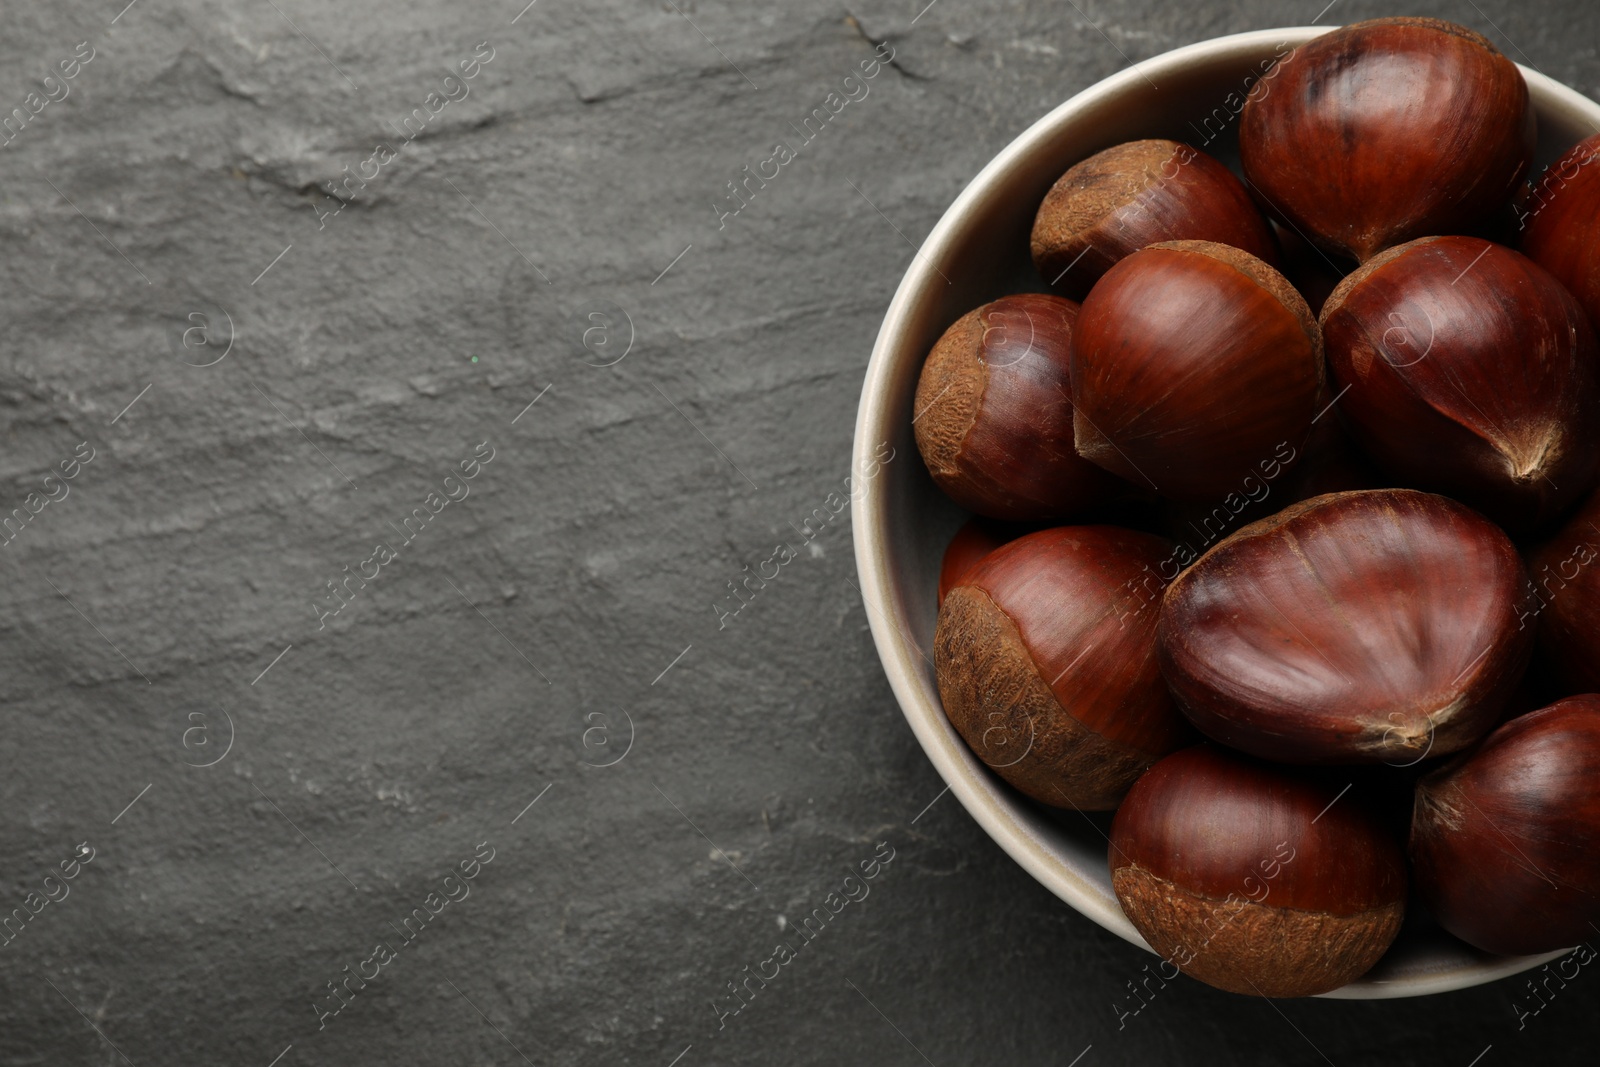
{"x":977,"y":252}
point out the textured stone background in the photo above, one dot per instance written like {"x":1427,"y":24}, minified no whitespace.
{"x":380,"y":346}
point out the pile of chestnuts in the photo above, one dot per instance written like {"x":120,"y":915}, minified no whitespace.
{"x":1286,"y":536}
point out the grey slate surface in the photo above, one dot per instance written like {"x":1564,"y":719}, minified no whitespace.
{"x":173,"y":599}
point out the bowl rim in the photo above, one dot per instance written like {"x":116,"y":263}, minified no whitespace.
{"x":877,"y":422}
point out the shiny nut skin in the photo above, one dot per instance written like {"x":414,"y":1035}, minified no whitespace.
{"x":1044,"y":655}
{"x":1505,"y":841}
{"x":1191,"y":364}
{"x":1388,"y":130}
{"x":1556,"y":221}
{"x":1380,"y":626}
{"x":1254,"y":878}
{"x":1134,"y":195}
{"x":1464,"y":368}
{"x":993,"y":414}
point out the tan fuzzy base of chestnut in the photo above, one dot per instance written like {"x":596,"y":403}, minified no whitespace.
{"x":1089,"y":194}
{"x":949,"y":394}
{"x":993,"y":693}
{"x":1253,"y":948}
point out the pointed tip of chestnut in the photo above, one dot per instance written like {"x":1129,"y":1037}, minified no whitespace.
{"x":1383,"y":626}
{"x":1133,"y":195}
{"x":1503,"y":839}
{"x":1253,"y":878}
{"x":1421,"y":340}
{"x":994,"y":414}
{"x":1341,"y":137}
{"x":1192,"y":362}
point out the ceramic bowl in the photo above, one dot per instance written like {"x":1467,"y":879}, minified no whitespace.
{"x":979,"y":251}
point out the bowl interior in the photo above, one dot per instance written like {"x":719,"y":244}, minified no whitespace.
{"x":977,"y":252}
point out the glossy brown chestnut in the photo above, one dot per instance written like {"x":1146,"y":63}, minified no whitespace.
{"x":993,"y":416}
{"x":1191,"y":364}
{"x":1388,"y":130}
{"x":1556,"y":219}
{"x":1045,"y":660}
{"x":1254,"y":879}
{"x":1465,"y":368}
{"x":1365,"y":627}
{"x":1566,"y":601}
{"x":1505,"y":841}
{"x":1135,"y":195}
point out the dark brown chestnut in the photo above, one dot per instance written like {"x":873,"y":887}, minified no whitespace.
{"x":1566,"y":601}
{"x":1254,"y":879}
{"x":1135,"y":195}
{"x":1365,"y":627}
{"x":1045,"y":660}
{"x":1192,"y":363}
{"x":1465,"y":368}
{"x":1505,"y":841}
{"x":993,"y":416}
{"x":1556,"y":220}
{"x":1387,"y":130}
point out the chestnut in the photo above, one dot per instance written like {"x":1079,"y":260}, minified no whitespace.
{"x":1465,"y":368}
{"x":1138,"y":194}
{"x":1387,"y":130}
{"x":1505,"y":841}
{"x":1378,"y":626}
{"x":1192,"y":363}
{"x":1556,"y":219}
{"x":1254,"y":879}
{"x":1565,"y":603}
{"x":1044,"y":656}
{"x":993,"y":417}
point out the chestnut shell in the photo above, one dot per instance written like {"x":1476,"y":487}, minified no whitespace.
{"x":1465,"y":368}
{"x":1505,"y":841}
{"x":1044,"y":655}
{"x":1387,"y":130}
{"x":1192,"y":363}
{"x":1365,"y":627}
{"x":1556,"y":217}
{"x":1134,"y":195}
{"x":1253,"y":878}
{"x":993,"y":416}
